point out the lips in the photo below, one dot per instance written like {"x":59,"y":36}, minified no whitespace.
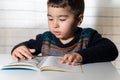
{"x":57,"y":33}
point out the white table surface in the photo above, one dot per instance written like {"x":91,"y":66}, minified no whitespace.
{"x":93,"y":71}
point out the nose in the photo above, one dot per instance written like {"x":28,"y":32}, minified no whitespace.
{"x":55,"y":24}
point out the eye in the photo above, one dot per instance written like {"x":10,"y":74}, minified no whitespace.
{"x":50,"y":19}
{"x":62,"y":19}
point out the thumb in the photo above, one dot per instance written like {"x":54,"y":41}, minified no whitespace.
{"x":32,"y":50}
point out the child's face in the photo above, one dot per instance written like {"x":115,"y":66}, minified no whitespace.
{"x":62,"y":22}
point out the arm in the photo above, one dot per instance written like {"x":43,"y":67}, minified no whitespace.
{"x":99,"y":50}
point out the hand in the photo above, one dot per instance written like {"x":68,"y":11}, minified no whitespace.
{"x":22,"y":53}
{"x":71,"y":59}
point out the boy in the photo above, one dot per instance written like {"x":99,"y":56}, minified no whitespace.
{"x":74,"y":44}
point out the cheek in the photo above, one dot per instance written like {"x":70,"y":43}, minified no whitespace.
{"x":66,"y":28}
{"x":49,"y":24}
{"x":67,"y":24}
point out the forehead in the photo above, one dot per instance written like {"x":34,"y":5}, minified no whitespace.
{"x":59,"y":10}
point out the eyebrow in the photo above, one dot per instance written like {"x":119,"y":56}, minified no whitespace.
{"x":49,"y":15}
{"x":58,"y":16}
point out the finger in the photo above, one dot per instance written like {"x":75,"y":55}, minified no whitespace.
{"x":79,"y":58}
{"x":19,"y":56}
{"x":25,"y":52}
{"x":32,"y":50}
{"x":71,"y":58}
{"x":14,"y":57}
{"x":75,"y":62}
{"x":64,"y":58}
{"x":60,"y":60}
{"x":22,"y":52}
{"x":28,"y":56}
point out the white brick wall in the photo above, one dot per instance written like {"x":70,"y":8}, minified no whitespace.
{"x":21,"y":20}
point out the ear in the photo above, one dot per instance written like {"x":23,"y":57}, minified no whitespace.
{"x":80,"y":19}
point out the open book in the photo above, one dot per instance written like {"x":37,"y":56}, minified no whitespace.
{"x":49,"y":63}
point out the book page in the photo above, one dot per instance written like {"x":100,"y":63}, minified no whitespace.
{"x":22,"y":64}
{"x":53,"y":64}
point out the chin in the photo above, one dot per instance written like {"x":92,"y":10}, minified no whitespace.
{"x":59,"y":37}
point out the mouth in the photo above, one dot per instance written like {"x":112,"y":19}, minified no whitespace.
{"x":57,"y":33}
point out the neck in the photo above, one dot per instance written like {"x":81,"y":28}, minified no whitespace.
{"x":70,"y":38}
{"x":65,"y":41}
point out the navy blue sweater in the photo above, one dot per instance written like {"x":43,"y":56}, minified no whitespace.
{"x":87,"y":42}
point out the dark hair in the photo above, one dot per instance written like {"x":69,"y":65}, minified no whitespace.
{"x":77,"y":6}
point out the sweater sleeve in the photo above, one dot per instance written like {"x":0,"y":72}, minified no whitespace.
{"x":99,"y":50}
{"x":32,"y":44}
